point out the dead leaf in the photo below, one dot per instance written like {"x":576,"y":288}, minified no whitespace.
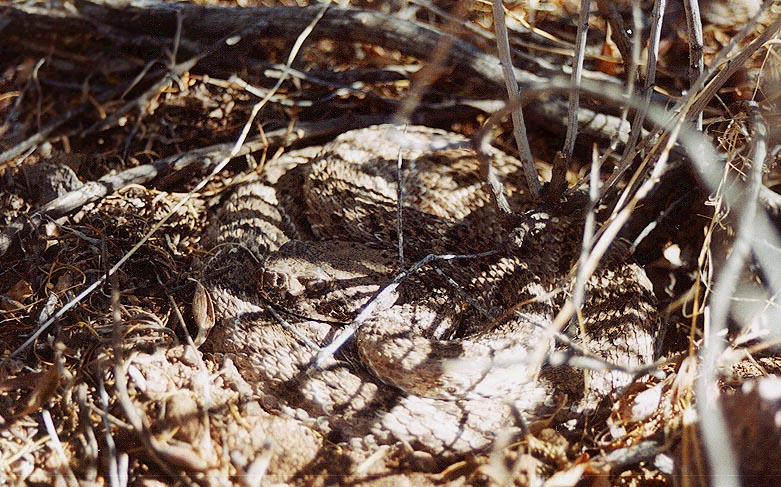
{"x":44,"y":385}
{"x":20,"y":291}
{"x":8,"y":304}
{"x":203,"y":313}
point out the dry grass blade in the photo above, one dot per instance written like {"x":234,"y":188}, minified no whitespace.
{"x":714,"y":427}
{"x":698,"y":147}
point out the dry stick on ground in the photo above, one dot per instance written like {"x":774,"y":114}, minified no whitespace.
{"x":732,"y":65}
{"x":115,"y":465}
{"x":564,"y":157}
{"x":340,"y":87}
{"x":29,"y":144}
{"x":173,"y":74}
{"x":540,"y":40}
{"x":708,"y":76}
{"x":107,"y":184}
{"x":177,"y":17}
{"x":142,"y":101}
{"x":726,"y":51}
{"x":235,"y":149}
{"x":346,"y":25}
{"x":379,"y":29}
{"x":589,"y":230}
{"x":284,"y":23}
{"x":696,"y":99}
{"x":147,"y":173}
{"x":618,"y":29}
{"x":350,"y":25}
{"x":64,"y":473}
{"x":630,"y":149}
{"x":397,"y":34}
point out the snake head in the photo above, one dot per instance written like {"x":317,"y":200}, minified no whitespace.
{"x":285,"y":282}
{"x":292,"y":276}
{"x":325,"y":280}
{"x":300,"y":285}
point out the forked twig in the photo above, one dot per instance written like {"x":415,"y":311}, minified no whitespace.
{"x":695,"y":100}
{"x":704,"y":160}
{"x":649,"y":83}
{"x":732,"y":66}
{"x":562,"y":160}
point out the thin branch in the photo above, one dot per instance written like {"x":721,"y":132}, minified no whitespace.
{"x":649,"y":82}
{"x":400,"y":206}
{"x":563,"y":158}
{"x":632,"y":64}
{"x":695,"y":100}
{"x":589,"y":230}
{"x":704,"y":159}
{"x":205,"y":156}
{"x":206,"y":25}
{"x":732,"y":65}
{"x":511,"y":84}
{"x":694,"y":28}
{"x":618,"y":30}
{"x":382,"y":299}
{"x":173,"y":73}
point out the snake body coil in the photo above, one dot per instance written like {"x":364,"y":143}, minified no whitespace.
{"x":442,"y":355}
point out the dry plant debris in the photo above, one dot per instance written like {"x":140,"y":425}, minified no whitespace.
{"x":112,"y":112}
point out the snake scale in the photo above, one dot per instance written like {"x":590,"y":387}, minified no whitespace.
{"x":446,"y":353}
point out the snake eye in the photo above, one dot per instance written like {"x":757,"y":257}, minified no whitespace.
{"x":272,"y":280}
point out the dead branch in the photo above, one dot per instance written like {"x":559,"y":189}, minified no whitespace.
{"x":145,"y":173}
{"x":203,"y":25}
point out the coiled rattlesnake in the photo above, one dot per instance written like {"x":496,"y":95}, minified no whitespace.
{"x":444,"y":355}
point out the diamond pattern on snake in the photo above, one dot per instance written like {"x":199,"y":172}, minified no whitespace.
{"x":444,"y":359}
